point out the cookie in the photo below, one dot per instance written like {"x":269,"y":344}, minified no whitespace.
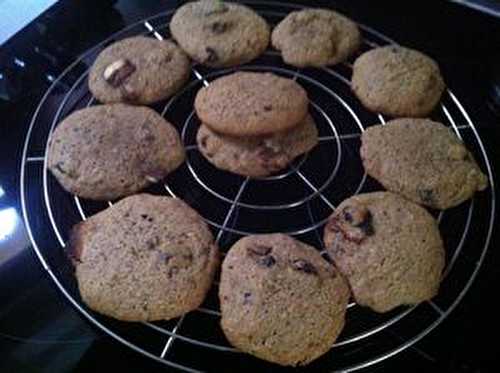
{"x":139,"y":70}
{"x":422,"y":160}
{"x":397,"y":81}
{"x":388,"y":248}
{"x":257,"y":156}
{"x":109,"y":151}
{"x":219,"y":34}
{"x":316,"y":37}
{"x":251,"y":104}
{"x":146,"y":258}
{"x":280,"y":300}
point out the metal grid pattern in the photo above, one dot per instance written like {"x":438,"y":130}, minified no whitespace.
{"x":49,"y":212}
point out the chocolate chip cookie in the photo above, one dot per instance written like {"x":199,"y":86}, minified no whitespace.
{"x":397,"y":81}
{"x":316,"y":37}
{"x":139,"y":70}
{"x":218,"y":33}
{"x":251,"y":104}
{"x":109,"y":151}
{"x":388,"y":248}
{"x":280,"y":300}
{"x":145,"y":258}
{"x":257,"y":156}
{"x":422,"y":160}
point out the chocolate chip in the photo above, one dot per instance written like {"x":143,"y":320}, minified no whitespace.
{"x":220,"y":27}
{"x":266,"y":261}
{"x":152,"y":243}
{"x":359,"y":217}
{"x":188,"y":257}
{"x":173,"y":271}
{"x":211,"y":55}
{"x":260,"y":253}
{"x":134,"y":252}
{"x":268,"y":107}
{"x":355,"y":215}
{"x":259,"y":250}
{"x":347,"y":216}
{"x":427,"y":196}
{"x":355,"y":223}
{"x":149,"y":137}
{"x":203,"y":141}
{"x":304,"y":266}
{"x":58,"y":167}
{"x":247,"y":298}
{"x":118,"y":72}
{"x":167,"y":58}
{"x":164,"y":258}
{"x":366,"y":226}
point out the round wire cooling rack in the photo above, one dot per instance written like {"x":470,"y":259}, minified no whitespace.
{"x":296,"y":201}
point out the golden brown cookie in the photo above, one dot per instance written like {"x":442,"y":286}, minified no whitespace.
{"x":218,"y":33}
{"x":138,"y":70}
{"x":109,"y":151}
{"x":146,"y":258}
{"x":280,"y":300}
{"x":316,"y":37}
{"x":397,"y":81}
{"x":251,"y":104}
{"x":257,"y":156}
{"x":422,"y":160}
{"x":388,"y":248}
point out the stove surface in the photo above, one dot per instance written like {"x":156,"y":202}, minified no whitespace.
{"x":41,"y":332}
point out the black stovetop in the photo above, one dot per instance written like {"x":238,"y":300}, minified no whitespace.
{"x":41,"y":332}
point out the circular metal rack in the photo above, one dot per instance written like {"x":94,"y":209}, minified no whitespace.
{"x":297,"y":201}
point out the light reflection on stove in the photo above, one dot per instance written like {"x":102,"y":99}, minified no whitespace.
{"x":8,"y":222}
{"x":13,"y":235}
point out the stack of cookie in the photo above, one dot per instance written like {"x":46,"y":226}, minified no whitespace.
{"x":254,"y":124}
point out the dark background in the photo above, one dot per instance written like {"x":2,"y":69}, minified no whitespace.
{"x":464,"y":42}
